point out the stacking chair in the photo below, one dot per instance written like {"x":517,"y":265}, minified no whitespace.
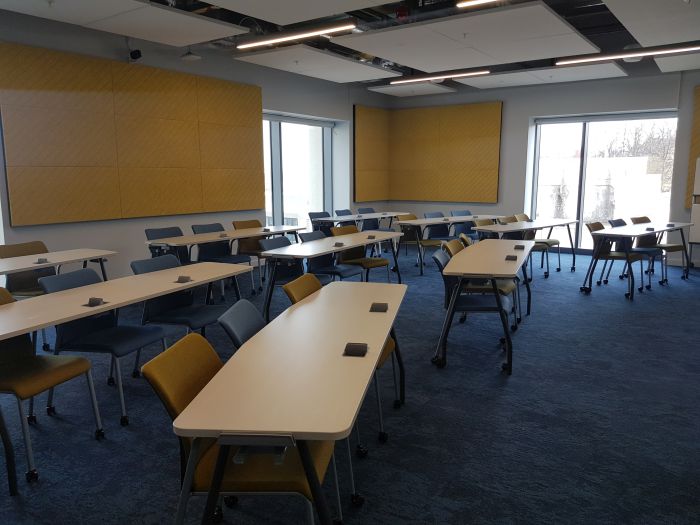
{"x":645,"y":245}
{"x":345,"y":212}
{"x":220,"y":251}
{"x":372,"y":224}
{"x":414,"y":235}
{"x":287,"y":269}
{"x":251,"y":245}
{"x":437,"y":231}
{"x":485,"y":235}
{"x":181,"y":252}
{"x":241,"y":322}
{"x":325,"y":264}
{"x":324,"y":226}
{"x":176,"y":308}
{"x":465,"y":240}
{"x":25,"y":375}
{"x":508,"y":219}
{"x":177,"y":376}
{"x":521,"y":217}
{"x":357,"y":256}
{"x":463,"y":227}
{"x":542,"y":245}
{"x":645,"y":241}
{"x":453,"y":247}
{"x":100,"y":333}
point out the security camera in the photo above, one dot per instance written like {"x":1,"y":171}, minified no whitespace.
{"x":135,"y":55}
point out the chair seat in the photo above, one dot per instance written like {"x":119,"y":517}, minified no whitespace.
{"x":670,"y":247}
{"x":194,"y":316}
{"x":229,"y":259}
{"x":368,"y":262}
{"x":35,"y":374}
{"x":341,"y":270}
{"x":118,"y":340}
{"x":260,"y":474}
{"x":549,"y":242}
{"x":387,"y":350}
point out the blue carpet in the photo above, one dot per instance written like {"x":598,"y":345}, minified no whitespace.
{"x":599,"y":422}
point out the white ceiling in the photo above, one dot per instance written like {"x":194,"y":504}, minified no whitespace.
{"x":498,"y":36}
{"x":311,"y":62}
{"x":658,"y":22}
{"x":679,"y":63}
{"x":134,"y":18}
{"x":412,"y":90}
{"x":545,"y":76}
{"x":293,"y":11}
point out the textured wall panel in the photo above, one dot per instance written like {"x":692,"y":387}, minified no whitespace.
{"x":232,"y":189}
{"x":371,"y":154}
{"x":148,"y":92}
{"x":694,"y":149}
{"x":57,"y":137}
{"x":147,"y":192}
{"x":222,"y":102}
{"x":231,"y":147}
{"x":40,"y":195}
{"x":157,"y":143}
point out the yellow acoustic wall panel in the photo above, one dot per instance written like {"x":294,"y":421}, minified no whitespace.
{"x":371,"y":154}
{"x":448,"y":153}
{"x":143,"y":134}
{"x":694,"y":149}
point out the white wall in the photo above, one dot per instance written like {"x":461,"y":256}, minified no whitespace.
{"x":282,"y":92}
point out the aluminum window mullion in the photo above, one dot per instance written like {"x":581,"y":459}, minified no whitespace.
{"x":327,"y":169}
{"x":276,"y":175}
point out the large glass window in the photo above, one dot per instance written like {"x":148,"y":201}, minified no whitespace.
{"x":598,"y":169}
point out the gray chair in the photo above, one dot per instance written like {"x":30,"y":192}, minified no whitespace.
{"x":371,"y":224}
{"x":100,"y":333}
{"x":324,"y":226}
{"x":241,"y":322}
{"x":325,"y":265}
{"x":345,"y":212}
{"x":181,"y":252}
{"x":437,"y":231}
{"x":464,"y":227}
{"x":176,"y":308}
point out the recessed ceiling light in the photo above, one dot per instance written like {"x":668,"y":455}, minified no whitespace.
{"x":631,"y":54}
{"x":474,"y":3}
{"x":288,"y":37}
{"x":441,"y":77}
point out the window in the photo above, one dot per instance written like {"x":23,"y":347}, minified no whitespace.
{"x":297,"y":170}
{"x":604,"y":168}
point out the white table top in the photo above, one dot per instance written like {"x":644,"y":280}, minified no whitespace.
{"x":636,"y":230}
{"x":228,"y":235}
{"x":291,"y":378}
{"x":28,"y":262}
{"x":25,"y":316}
{"x":486,"y":259}
{"x":360,"y":216}
{"x":520,"y":226}
{"x":325,"y":246}
{"x":449,"y":220}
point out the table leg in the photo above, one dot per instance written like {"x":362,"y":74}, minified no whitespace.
{"x":508,"y":365}
{"x":402,"y":372}
{"x":630,"y":281}
{"x":440,"y":357}
{"x":395,"y":252}
{"x":419,"y":236}
{"x":270,"y":288}
{"x":527,"y":287}
{"x":686,"y":270}
{"x":573,"y":248}
{"x":324,"y":515}
{"x":215,"y":486}
{"x":192,"y":460}
{"x":9,"y":457}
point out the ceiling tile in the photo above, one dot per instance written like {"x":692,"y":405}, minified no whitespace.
{"x":412,"y":90}
{"x":658,"y":22}
{"x":679,"y":63}
{"x":71,"y":11}
{"x":545,"y":76}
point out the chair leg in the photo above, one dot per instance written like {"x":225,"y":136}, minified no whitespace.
{"x":110,"y":378}
{"x":99,"y":431}
{"x":32,"y":474}
{"x":383,"y":436}
{"x":31,"y":417}
{"x":361,"y":450}
{"x":559,"y":257}
{"x":252,"y":278}
{"x":45,"y":345}
{"x":355,"y":497}
{"x":337,"y":488}
{"x":607,"y":277}
{"x":367,"y":275}
{"x":203,"y":331}
{"x":124,"y":420}
{"x":9,"y":457}
{"x":136,"y":372}
{"x":236,"y":289}
{"x":545,"y":254}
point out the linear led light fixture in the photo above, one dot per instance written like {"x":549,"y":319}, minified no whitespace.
{"x":649,"y":52}
{"x":474,"y":3}
{"x":441,"y":77}
{"x":298,"y":36}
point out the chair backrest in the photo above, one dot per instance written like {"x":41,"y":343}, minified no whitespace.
{"x":286,"y":268}
{"x":343,"y":212}
{"x":644,"y":241}
{"x":368,"y":224}
{"x":616,"y":223}
{"x":29,"y":280}
{"x":465,"y":240}
{"x":242,"y":321}
{"x":407,"y":217}
{"x":441,"y":259}
{"x":160,"y":305}
{"x":321,"y":261}
{"x":17,"y":347}
{"x":508,"y":220}
{"x":181,"y":252}
{"x":453,"y":247}
{"x":436,"y":231}
{"x":520,"y":217}
{"x":248,"y":223}
{"x":602,"y":245}
{"x":459,"y":213}
{"x":250,"y":245}
{"x":624,"y":243}
{"x":211,"y":250}
{"x":640,"y":220}
{"x":324,"y":226}
{"x":365,"y":210}
{"x":67,"y":332}
{"x":485,"y":235}
{"x":302,"y":287}
{"x":462,"y":227}
{"x":353,"y":253}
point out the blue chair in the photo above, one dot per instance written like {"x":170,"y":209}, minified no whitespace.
{"x":325,"y":265}
{"x":437,"y":231}
{"x":324,"y":226}
{"x":220,"y":251}
{"x":464,"y":227}
{"x":241,"y":322}
{"x":371,"y":224}
{"x":100,"y":333}
{"x":176,"y":308}
{"x":181,"y":252}
{"x":345,"y":212}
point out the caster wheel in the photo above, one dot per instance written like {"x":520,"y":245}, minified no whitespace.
{"x":505,"y":367}
{"x":51,"y":411}
{"x":513,"y":327}
{"x":46,"y":347}
{"x":110,"y":381}
{"x":99,"y":434}
{"x":520,"y":320}
{"x":546,"y":275}
{"x":230,"y":501}
{"x":252,"y":292}
{"x":597,"y":283}
{"x":559,"y":269}
{"x":397,"y":403}
{"x":605,"y":281}
{"x":217,"y":516}
{"x":31,"y":419}
{"x":357,"y":499}
{"x":361,"y":452}
{"x":648,"y":287}
{"x":463,"y":319}
{"x":640,"y":289}
{"x":416,"y":265}
{"x":124,"y":421}
{"x":621,"y":277}
{"x":438,"y":361}
{"x":260,"y":289}
{"x":502,"y":340}
{"x":32,"y":475}
{"x":573,"y":269}
{"x":683,"y":277}
{"x":383,"y":437}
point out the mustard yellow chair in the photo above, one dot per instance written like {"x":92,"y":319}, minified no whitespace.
{"x":542,"y":245}
{"x":465,"y":240}
{"x":251,"y":245}
{"x":508,"y":220}
{"x":358,"y":256}
{"x":25,"y":375}
{"x":453,"y":247}
{"x":520,"y":217}
{"x":177,"y":375}
{"x":485,"y":235}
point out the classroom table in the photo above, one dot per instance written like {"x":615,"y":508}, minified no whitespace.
{"x":632,"y":231}
{"x":290,"y":383}
{"x":419,"y":225}
{"x":325,"y":246}
{"x":29,"y":262}
{"x":359,"y":217}
{"x":485,"y":260}
{"x":533,"y":225}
